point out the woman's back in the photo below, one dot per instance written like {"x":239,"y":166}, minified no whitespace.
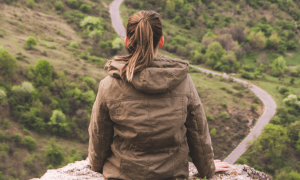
{"x":158,"y":120}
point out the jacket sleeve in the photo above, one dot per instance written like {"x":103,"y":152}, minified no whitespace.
{"x":198,"y":136}
{"x":100,"y":132}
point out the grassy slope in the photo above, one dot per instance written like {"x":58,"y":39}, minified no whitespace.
{"x":50,"y":29}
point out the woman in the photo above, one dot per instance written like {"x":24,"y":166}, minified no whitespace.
{"x":154,"y":109}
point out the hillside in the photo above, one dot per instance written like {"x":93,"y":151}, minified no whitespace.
{"x":257,"y":40}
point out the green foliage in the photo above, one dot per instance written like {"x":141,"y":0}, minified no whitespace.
{"x":85,"y":8}
{"x":274,"y":40}
{"x":292,"y":100}
{"x":89,"y":81}
{"x":30,"y":43}
{"x":58,"y":123}
{"x":118,"y":44}
{"x":8,"y":63}
{"x":257,"y":39}
{"x":74,"y":4}
{"x":74,"y":44}
{"x":25,"y":88}
{"x":213,"y":132}
{"x":214,"y":53}
{"x":2,"y":95}
{"x":43,"y":70}
{"x":30,"y":3}
{"x":92,"y":25}
{"x":1,"y":176}
{"x":54,"y":154}
{"x":246,"y":75}
{"x":278,"y":67}
{"x":224,"y":116}
{"x":32,"y":119}
{"x":283,"y":90}
{"x":16,"y":138}
{"x":59,"y":5}
{"x":29,"y":143}
{"x":74,"y":16}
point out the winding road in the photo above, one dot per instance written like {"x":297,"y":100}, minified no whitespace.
{"x":269,"y":104}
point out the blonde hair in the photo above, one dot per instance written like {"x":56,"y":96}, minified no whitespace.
{"x":144,"y":30}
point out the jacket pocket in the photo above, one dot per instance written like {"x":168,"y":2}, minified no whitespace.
{"x":114,"y":110}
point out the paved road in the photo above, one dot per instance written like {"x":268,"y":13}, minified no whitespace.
{"x":269,"y":104}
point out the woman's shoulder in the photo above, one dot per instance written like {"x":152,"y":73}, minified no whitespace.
{"x":171,"y":60}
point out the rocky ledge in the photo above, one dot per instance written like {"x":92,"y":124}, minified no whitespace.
{"x":80,"y":170}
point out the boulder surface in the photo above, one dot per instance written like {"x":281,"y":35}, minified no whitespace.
{"x":80,"y":170}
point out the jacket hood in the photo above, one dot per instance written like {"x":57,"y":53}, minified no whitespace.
{"x":161,"y":76}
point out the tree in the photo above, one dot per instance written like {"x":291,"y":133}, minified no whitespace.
{"x":58,"y":122}
{"x":275,"y":40}
{"x":213,"y":54}
{"x":170,"y":6}
{"x":258,"y":40}
{"x":92,"y":25}
{"x":118,"y":44}
{"x":8,"y":63}
{"x":29,"y":143}
{"x":54,"y":154}
{"x":30,"y":43}
{"x":44,"y":72}
{"x":278,"y":67}
{"x":273,"y":139}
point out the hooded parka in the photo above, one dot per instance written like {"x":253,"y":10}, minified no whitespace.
{"x":149,"y":128}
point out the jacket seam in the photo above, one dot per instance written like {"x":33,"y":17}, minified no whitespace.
{"x":144,"y":98}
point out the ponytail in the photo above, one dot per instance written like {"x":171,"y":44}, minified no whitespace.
{"x":144,"y":31}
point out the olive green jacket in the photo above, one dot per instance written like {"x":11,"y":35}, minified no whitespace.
{"x":158,"y":121}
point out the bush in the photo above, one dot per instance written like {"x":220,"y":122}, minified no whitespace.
{"x":32,"y":119}
{"x":29,"y":143}
{"x":89,"y":81}
{"x":54,"y":154}
{"x":210,"y":24}
{"x":43,"y":70}
{"x":224,"y":116}
{"x":74,"y":44}
{"x":118,"y":44}
{"x":210,"y":117}
{"x":74,"y":4}
{"x":30,"y":42}
{"x":30,"y":3}
{"x":8,"y":64}
{"x":213,"y":132}
{"x":25,"y":89}
{"x":16,"y":138}
{"x":59,"y":5}
{"x":58,"y":122}
{"x":254,"y":107}
{"x":278,"y":67}
{"x":246,"y":75}
{"x":258,"y":40}
{"x":85,"y":8}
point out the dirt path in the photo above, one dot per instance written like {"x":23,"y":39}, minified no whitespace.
{"x":269,"y":104}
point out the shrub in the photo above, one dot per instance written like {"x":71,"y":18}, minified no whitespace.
{"x":278,"y":66}
{"x":30,"y":3}
{"x":26,"y":88}
{"x":210,"y":117}
{"x":89,"y":81}
{"x":118,"y":44}
{"x":274,"y":40}
{"x":31,"y":119}
{"x":254,"y":107}
{"x":224,"y":116}
{"x":92,"y":25}
{"x":16,"y":137}
{"x":59,"y":5}
{"x":210,"y":24}
{"x":30,"y":42}
{"x":84,"y":55}
{"x":258,"y":40}
{"x":54,"y":154}
{"x":58,"y":122}
{"x":8,"y":63}
{"x":85,"y":8}
{"x":43,"y":70}
{"x":74,"y":4}
{"x":213,"y":132}
{"x":29,"y":143}
{"x":246,"y":75}
{"x":291,"y":100}
{"x":2,"y":95}
{"x":74,"y":44}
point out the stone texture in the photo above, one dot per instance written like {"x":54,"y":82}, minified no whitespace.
{"x":80,"y":170}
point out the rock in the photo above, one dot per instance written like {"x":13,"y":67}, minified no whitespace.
{"x":80,"y":170}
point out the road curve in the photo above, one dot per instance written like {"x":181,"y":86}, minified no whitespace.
{"x":269,"y":104}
